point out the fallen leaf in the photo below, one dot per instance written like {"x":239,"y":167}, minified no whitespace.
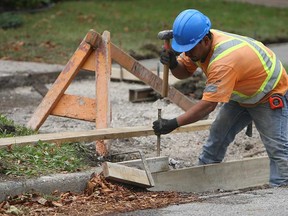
{"x":18,"y":45}
{"x":14,"y":211}
{"x":42,"y":201}
{"x":57,"y":204}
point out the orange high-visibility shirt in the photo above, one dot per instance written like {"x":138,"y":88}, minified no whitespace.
{"x":241,"y":70}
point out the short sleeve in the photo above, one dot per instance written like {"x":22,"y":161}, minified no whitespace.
{"x":187,"y":62}
{"x":220,"y":83}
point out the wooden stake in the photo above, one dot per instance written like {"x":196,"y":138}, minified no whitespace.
{"x":103,"y":74}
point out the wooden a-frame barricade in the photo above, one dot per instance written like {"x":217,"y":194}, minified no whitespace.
{"x":95,"y":54}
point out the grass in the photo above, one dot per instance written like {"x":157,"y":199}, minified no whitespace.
{"x":40,"y":159}
{"x":9,"y":129}
{"x":53,"y":35}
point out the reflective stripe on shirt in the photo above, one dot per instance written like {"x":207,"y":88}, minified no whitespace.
{"x":271,"y":65}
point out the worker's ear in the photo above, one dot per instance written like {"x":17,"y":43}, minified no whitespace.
{"x":206,"y":40}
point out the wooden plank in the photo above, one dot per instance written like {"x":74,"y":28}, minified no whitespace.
{"x":231,"y":175}
{"x":72,"y":106}
{"x":145,"y":75}
{"x":125,"y":174}
{"x":99,"y":134}
{"x":155,"y":164}
{"x":149,"y":78}
{"x":125,"y":75}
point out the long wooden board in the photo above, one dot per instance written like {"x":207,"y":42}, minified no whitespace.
{"x":99,"y":134}
{"x":149,"y":77}
{"x":145,"y":75}
{"x":127,"y":76}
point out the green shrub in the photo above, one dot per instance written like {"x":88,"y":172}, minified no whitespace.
{"x":10,"y":20}
{"x":9,"y":5}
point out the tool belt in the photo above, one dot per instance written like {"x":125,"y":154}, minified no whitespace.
{"x":276,"y":101}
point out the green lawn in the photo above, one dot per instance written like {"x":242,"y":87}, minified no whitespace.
{"x":43,"y":158}
{"x":53,"y":35}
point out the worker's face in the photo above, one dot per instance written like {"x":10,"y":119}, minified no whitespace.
{"x":199,"y":52}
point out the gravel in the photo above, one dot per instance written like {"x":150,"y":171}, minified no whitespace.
{"x":20,"y":103}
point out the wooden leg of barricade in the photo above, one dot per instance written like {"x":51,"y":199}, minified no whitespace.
{"x":64,"y":79}
{"x":103,"y":75}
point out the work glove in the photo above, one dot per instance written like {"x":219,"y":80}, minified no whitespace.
{"x":164,"y":126}
{"x":168,"y":57}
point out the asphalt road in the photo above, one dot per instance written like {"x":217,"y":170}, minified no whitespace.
{"x":264,"y":202}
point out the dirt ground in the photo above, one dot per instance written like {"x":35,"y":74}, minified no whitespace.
{"x":20,"y":103}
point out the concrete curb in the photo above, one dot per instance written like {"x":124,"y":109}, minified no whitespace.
{"x":74,"y":182}
{"x":227,"y":176}
{"x":231,"y":175}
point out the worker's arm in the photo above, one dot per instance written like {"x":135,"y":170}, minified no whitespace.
{"x":180,"y":71}
{"x":195,"y":113}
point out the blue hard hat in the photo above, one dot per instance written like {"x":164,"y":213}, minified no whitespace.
{"x":189,"y":28}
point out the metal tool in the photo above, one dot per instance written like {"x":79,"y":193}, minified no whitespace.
{"x":159,"y":136}
{"x":165,"y":35}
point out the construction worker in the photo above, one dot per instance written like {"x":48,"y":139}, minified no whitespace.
{"x":243,"y":74}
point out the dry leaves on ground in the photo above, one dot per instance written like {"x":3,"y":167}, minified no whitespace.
{"x":100,"y":197}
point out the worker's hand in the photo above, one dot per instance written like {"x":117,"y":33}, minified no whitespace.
{"x":168,"y":57}
{"x":164,"y":126}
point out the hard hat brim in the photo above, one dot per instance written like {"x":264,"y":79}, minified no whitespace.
{"x":183,"y":48}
